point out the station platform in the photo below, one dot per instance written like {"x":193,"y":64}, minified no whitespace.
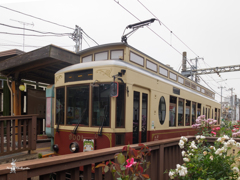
{"x":43,"y":147}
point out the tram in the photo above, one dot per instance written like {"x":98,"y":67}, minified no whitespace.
{"x":117,"y":95}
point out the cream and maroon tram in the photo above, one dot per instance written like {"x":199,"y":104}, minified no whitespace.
{"x":118,"y":95}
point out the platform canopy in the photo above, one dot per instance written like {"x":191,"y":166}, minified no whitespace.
{"x":39,"y":65}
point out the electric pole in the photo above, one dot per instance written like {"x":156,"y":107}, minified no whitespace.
{"x":77,"y":37}
{"x":195,"y":67}
{"x":231,"y":100}
{"x":221,"y":98}
{"x":23,"y":23}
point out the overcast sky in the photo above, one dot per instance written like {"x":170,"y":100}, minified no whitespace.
{"x":207,"y":28}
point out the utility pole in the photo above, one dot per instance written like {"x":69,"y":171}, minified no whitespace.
{"x":231,"y":100}
{"x":77,"y":37}
{"x":23,"y":23}
{"x":195,"y":67}
{"x":221,"y":98}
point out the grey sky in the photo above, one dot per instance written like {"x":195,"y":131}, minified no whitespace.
{"x":209,"y":27}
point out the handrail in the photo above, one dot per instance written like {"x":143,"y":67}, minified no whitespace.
{"x":20,"y":133}
{"x":29,"y":116}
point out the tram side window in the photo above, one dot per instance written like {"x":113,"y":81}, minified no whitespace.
{"x":101,"y":105}
{"x":193,"y":112}
{"x":78,"y":105}
{"x":218,"y":116}
{"x":208,"y":113}
{"x":198,"y":110}
{"x":60,"y":105}
{"x":172,"y":111}
{"x":120,"y":111}
{"x":187,"y":113}
{"x":162,"y":110}
{"x":215,"y":115}
{"x":180,"y":112}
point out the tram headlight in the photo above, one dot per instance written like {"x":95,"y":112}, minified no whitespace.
{"x":74,"y":147}
{"x":55,"y":148}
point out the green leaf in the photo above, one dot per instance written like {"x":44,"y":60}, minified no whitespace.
{"x":106,"y":169}
{"x":123,"y":168}
{"x":121,"y":158}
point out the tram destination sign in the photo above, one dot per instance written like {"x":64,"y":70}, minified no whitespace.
{"x":79,"y":75}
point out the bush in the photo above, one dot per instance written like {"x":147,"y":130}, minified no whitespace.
{"x":205,"y":162}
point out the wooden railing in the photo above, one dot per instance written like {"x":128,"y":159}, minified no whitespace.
{"x":17,"y":133}
{"x":165,"y":154}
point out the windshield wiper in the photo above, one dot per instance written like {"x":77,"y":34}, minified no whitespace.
{"x":104,"y":117}
{"x":76,"y":127}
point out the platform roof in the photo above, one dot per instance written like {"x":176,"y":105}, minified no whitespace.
{"x":39,"y":65}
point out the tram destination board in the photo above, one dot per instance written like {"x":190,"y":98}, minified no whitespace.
{"x":79,"y":75}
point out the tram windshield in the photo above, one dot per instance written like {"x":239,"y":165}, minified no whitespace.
{"x":78,"y":104}
{"x":88,"y":105}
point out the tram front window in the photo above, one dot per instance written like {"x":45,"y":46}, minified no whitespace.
{"x":101,"y":105}
{"x":78,"y":105}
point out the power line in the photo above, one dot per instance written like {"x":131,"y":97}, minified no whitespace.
{"x":151,"y":30}
{"x":16,"y":27}
{"x":167,"y":28}
{"x":36,"y":17}
{"x":56,"y":35}
{"x":17,"y":45}
{"x":89,"y":37}
{"x":46,"y":21}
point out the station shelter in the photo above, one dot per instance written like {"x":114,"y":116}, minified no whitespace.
{"x":24,"y":77}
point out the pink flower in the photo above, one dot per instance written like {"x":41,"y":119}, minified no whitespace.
{"x":213,"y":132}
{"x":130,"y":162}
{"x":217,"y":128}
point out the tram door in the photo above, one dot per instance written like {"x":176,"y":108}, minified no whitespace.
{"x":140,"y":116}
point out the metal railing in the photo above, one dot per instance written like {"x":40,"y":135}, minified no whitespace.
{"x":165,"y":154}
{"x":17,"y":133}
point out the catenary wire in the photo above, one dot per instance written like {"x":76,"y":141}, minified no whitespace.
{"x":167,"y":28}
{"x":152,"y":31}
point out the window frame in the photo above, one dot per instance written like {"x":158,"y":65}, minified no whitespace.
{"x":159,"y":105}
{"x":124,"y":123}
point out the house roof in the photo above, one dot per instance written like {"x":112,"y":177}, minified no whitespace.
{"x":38,"y":65}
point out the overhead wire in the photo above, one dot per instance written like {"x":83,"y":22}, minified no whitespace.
{"x":168,"y":28}
{"x":212,"y":79}
{"x":36,"y":35}
{"x":166,"y":41}
{"x":47,"y":21}
{"x":16,"y":27}
{"x":172,"y":34}
{"x":152,"y":31}
{"x":35,"y":17}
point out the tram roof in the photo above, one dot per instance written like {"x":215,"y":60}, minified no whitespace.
{"x":122,"y":44}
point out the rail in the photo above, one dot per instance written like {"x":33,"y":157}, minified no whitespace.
{"x":17,"y":133}
{"x":165,"y":154}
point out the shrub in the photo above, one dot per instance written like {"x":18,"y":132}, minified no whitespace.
{"x":205,"y":162}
